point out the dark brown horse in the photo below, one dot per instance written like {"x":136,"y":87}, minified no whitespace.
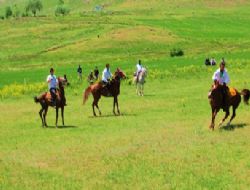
{"x":98,"y":90}
{"x":45,"y":100}
{"x":233,"y":99}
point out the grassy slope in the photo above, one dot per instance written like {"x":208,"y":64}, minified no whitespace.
{"x":161,"y":141}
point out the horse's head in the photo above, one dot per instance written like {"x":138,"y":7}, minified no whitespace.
{"x":62,"y":81}
{"x":119,"y":74}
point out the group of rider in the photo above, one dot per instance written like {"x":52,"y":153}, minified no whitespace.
{"x":106,"y":78}
{"x":220,"y":77}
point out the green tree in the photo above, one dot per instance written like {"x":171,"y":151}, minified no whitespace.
{"x":8,"y":12}
{"x":34,"y":6}
{"x":61,"y":9}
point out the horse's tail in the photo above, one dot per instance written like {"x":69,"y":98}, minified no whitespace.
{"x":36,"y":99}
{"x":39,"y":98}
{"x":86,"y":94}
{"x":246,"y":95}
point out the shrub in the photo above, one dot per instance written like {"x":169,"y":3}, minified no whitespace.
{"x":62,"y":10}
{"x":2,"y":17}
{"x":8,"y":12}
{"x":34,"y":6}
{"x":176,"y":52}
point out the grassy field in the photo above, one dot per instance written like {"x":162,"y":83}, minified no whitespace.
{"x":161,"y":140}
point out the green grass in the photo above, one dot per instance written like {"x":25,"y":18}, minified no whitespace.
{"x":161,"y":140}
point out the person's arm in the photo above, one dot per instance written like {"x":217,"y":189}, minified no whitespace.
{"x":227,"y":80}
{"x":215,"y":78}
{"x":48,"y":79}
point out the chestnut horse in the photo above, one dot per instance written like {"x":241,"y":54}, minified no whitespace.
{"x":98,"y":90}
{"x":45,"y":100}
{"x":216,"y":101}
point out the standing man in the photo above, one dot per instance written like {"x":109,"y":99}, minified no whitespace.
{"x":79,"y":71}
{"x":138,"y":69}
{"x":96,"y":73}
{"x":221,"y":77}
{"x":52,"y":83}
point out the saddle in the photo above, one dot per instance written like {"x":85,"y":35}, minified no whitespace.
{"x":232,"y":91}
{"x":49,"y":97}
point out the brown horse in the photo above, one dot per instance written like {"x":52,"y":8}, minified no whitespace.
{"x":98,"y":90}
{"x":233,"y":99}
{"x":45,"y":100}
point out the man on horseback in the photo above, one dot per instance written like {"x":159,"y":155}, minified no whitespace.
{"x":221,"y":77}
{"x":106,"y":75}
{"x":52,"y":83}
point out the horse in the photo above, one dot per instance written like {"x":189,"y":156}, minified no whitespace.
{"x":45,"y":100}
{"x":98,"y":90}
{"x":233,"y":100}
{"x":139,"y":82}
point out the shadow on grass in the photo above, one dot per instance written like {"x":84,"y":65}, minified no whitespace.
{"x":233,"y":126}
{"x":112,"y":115}
{"x":61,"y":126}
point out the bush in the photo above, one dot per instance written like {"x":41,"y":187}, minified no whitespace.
{"x":8,"y":12}
{"x":25,"y":14}
{"x":62,"y":10}
{"x":16,"y":12}
{"x":2,"y":17}
{"x":34,"y":6}
{"x":176,"y":52}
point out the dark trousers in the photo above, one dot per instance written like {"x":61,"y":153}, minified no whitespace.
{"x":53,"y":94}
{"x":224,"y":92}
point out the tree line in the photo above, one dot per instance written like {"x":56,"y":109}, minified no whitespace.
{"x":32,"y":7}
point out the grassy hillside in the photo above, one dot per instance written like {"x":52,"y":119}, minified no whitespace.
{"x":161,"y":140}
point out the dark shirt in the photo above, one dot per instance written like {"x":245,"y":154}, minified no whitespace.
{"x":79,"y":70}
{"x":96,"y":73}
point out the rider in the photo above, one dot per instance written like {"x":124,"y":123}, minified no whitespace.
{"x":221,"y":77}
{"x":106,"y":77}
{"x":52,"y":83}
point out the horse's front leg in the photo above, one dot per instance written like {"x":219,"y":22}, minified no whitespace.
{"x":62,"y":113}
{"x":214,"y":113}
{"x":117,"y":105}
{"x":56,"y":116}
{"x":114,"y":105}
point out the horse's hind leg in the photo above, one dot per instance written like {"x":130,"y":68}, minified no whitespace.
{"x":100,"y":113}
{"x":226,"y":116}
{"x":44,"y":115}
{"x":95,"y":103}
{"x":41,"y":116}
{"x":232,"y":117}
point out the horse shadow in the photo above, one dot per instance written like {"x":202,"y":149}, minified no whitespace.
{"x":113,"y":115}
{"x":61,"y":126}
{"x":233,"y":126}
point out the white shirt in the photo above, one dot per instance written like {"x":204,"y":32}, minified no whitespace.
{"x":221,"y":77}
{"x":139,"y":68}
{"x":53,"y":81}
{"x":106,"y":75}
